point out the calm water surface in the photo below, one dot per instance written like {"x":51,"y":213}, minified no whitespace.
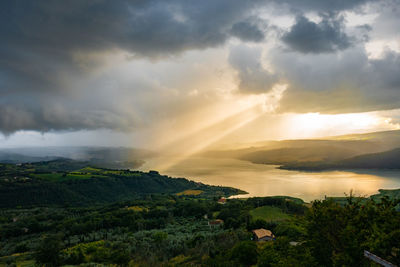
{"x":266,"y":180}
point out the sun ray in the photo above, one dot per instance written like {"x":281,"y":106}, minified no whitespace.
{"x":196,"y":142}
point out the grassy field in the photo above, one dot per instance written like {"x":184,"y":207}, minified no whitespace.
{"x":85,"y":173}
{"x":190,"y":193}
{"x":92,"y":170}
{"x":19,"y":259}
{"x":269,"y":213}
{"x":30,"y":263}
{"x":137,"y":208}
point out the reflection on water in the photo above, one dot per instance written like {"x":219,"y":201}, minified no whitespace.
{"x":266,"y":180}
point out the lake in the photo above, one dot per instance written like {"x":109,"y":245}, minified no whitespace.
{"x":266,"y":180}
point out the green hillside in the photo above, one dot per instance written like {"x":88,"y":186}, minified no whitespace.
{"x":66,"y":182}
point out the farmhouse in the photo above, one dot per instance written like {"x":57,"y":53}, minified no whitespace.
{"x":215,"y":223}
{"x":222,"y":200}
{"x":263,"y":235}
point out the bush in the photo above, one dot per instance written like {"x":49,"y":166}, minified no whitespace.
{"x":48,"y":251}
{"x":245,"y":253}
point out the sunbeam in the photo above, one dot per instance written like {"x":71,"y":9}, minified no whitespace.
{"x":194,"y":143}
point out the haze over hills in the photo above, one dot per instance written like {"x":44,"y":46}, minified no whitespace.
{"x":111,"y":157}
{"x":383,"y":160}
{"x":322,"y":150}
{"x":290,"y":153}
{"x":10,"y":157}
{"x":385,"y":138}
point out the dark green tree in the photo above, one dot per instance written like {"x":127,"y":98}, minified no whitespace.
{"x":48,"y":251}
{"x":245,"y":253}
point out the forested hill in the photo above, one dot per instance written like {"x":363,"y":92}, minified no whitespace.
{"x":324,"y":153}
{"x":383,"y":160}
{"x":67,"y":182}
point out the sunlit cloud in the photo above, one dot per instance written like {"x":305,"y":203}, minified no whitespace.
{"x":311,"y":125}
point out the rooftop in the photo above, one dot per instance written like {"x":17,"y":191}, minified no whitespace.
{"x":260,"y":233}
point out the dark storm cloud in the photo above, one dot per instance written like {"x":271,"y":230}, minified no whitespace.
{"x":149,"y":28}
{"x":248,"y":31}
{"x":306,"y":36}
{"x":252,"y":76}
{"x":48,"y":46}
{"x":323,"y":6}
{"x":40,"y":38}
{"x":348,"y":82}
{"x":60,"y":117}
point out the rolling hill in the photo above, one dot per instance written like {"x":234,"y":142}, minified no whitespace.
{"x":109,"y":157}
{"x":11,"y":157}
{"x":53,"y":183}
{"x":313,"y":151}
{"x":383,"y":160}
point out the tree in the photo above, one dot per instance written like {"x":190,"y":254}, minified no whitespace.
{"x":48,"y":251}
{"x":121,"y":257}
{"x":245,"y":253}
{"x":338,"y":234}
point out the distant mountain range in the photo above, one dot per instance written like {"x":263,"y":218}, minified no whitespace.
{"x":384,"y":160}
{"x":110,"y":157}
{"x":375,"y":150}
{"x":10,"y":157}
{"x":357,"y":151}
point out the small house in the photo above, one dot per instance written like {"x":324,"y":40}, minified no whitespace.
{"x":222,"y":200}
{"x":263,"y":235}
{"x":215,"y":223}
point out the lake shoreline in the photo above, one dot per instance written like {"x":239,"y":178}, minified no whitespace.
{"x":266,"y":180}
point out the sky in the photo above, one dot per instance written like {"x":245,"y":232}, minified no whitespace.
{"x":160,"y":74}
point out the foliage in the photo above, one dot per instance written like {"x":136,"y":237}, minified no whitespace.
{"x":190,"y":193}
{"x":338,"y":234}
{"x":245,"y":253}
{"x":269,"y":213}
{"x":48,"y":251}
{"x":151,"y":229}
{"x":166,"y":229}
{"x":38,"y":184}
